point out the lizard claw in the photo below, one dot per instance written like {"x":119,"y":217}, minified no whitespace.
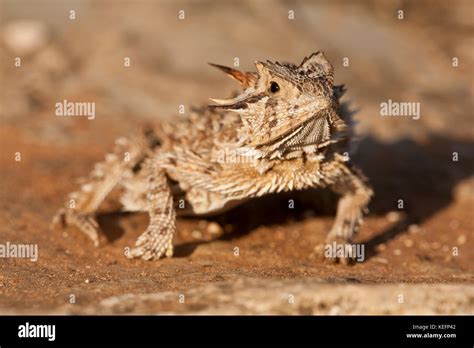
{"x":86,"y":223}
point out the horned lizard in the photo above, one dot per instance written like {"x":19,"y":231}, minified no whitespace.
{"x":283,"y":132}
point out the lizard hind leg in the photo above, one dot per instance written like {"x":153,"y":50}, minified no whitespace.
{"x":80,"y":210}
{"x":157,"y":240}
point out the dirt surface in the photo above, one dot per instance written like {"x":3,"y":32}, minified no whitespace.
{"x":417,"y":249}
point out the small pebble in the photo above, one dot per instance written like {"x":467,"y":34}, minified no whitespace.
{"x":393,"y":216}
{"x":413,"y":229}
{"x":87,"y":281}
{"x":397,"y":252}
{"x":462,"y":239}
{"x":214,"y":229}
{"x":380,"y":260}
{"x":408,"y":243}
{"x":196,"y":234}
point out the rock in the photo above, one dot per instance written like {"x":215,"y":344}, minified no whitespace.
{"x":25,"y":36}
{"x":310,"y":296}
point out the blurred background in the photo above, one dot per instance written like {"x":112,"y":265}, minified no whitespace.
{"x":423,"y":54}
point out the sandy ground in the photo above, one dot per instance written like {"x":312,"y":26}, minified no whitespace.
{"x":423,"y":252}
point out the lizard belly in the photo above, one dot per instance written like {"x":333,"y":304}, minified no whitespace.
{"x":205,"y":203}
{"x":236,"y":184}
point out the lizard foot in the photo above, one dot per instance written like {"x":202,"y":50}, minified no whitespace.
{"x":152,"y":245}
{"x":86,"y":223}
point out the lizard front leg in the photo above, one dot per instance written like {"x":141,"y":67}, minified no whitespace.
{"x":82,"y":205}
{"x":350,"y":183}
{"x":157,"y":240}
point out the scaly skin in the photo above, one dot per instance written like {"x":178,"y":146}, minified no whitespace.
{"x":284,"y":132}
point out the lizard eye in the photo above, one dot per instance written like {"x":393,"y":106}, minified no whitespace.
{"x":274,"y":87}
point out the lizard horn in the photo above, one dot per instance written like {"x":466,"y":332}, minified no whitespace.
{"x":245,"y":79}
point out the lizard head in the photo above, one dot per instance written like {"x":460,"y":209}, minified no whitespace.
{"x":284,"y":105}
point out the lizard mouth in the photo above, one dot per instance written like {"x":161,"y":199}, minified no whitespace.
{"x":237,"y":103}
{"x":297,"y":126}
